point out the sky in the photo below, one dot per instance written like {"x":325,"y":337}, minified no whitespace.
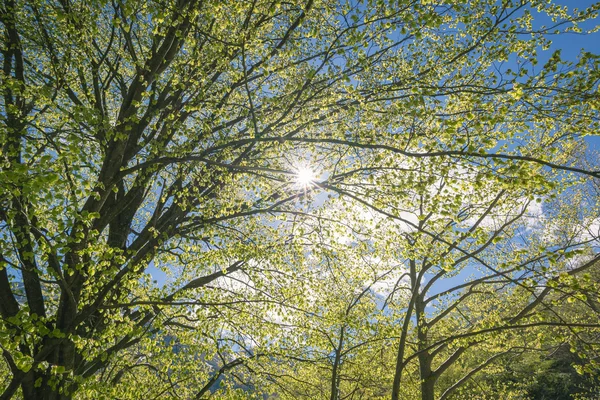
{"x":571,"y":45}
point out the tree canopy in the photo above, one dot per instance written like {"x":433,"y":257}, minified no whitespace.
{"x":316,"y":199}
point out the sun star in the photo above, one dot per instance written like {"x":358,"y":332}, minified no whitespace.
{"x":304,"y":177}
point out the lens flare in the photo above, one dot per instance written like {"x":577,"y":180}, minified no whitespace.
{"x":304,"y":177}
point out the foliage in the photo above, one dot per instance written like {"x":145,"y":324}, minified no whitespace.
{"x":145,"y":139}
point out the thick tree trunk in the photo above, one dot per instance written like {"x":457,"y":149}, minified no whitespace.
{"x":427,"y":389}
{"x":44,"y":390}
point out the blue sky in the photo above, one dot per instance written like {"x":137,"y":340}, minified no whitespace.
{"x":572,"y":44}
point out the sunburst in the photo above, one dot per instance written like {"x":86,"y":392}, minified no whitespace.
{"x":304,"y":177}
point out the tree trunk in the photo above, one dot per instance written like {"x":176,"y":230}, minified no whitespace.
{"x":404,"y":334}
{"x":427,"y":389}
{"x":425,"y":359}
{"x":335,"y":384}
{"x":44,"y":391}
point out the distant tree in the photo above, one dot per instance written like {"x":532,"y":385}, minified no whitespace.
{"x":478,"y":258}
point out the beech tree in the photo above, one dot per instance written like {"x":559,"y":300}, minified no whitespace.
{"x":515,"y":256}
{"x":190,"y":137}
{"x":495,"y":239}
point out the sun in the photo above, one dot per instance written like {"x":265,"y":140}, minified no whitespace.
{"x":304,"y":177}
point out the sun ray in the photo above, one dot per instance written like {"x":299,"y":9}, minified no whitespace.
{"x":305,"y":177}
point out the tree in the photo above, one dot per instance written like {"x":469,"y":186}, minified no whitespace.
{"x":493,"y":239}
{"x":457,"y":225}
{"x":342,"y":327}
{"x":166,"y":135}
{"x":526,"y":257}
{"x":554,"y":361}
